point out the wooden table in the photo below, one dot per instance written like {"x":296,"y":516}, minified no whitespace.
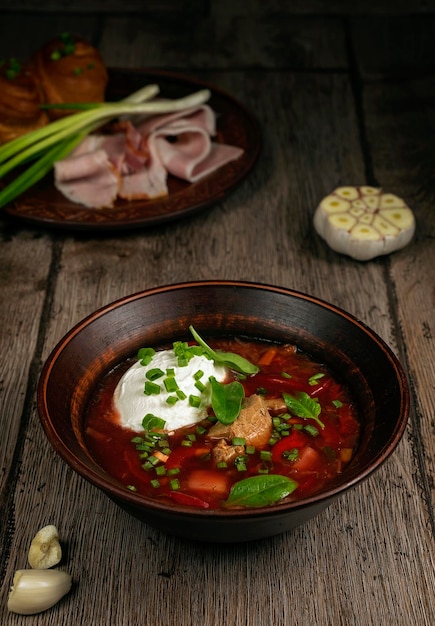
{"x":340,"y":99}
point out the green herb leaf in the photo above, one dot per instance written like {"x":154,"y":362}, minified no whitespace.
{"x":261,"y":490}
{"x":230,"y":359}
{"x":226,"y":400}
{"x":303,"y":406}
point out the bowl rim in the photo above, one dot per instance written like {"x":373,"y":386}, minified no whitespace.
{"x":119,"y":493}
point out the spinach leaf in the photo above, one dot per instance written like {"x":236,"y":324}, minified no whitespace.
{"x":262,"y":490}
{"x":303,"y":406}
{"x":230,"y":359}
{"x":226,"y":400}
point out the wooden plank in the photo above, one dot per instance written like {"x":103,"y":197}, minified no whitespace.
{"x":24,"y":271}
{"x":197,"y":7}
{"x":20,"y":37}
{"x":394,"y":45}
{"x":193,"y":7}
{"x":322,"y":7}
{"x":397,"y":116}
{"x":224,"y":41}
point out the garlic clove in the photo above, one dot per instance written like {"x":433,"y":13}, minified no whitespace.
{"x":334,"y":204}
{"x":45,"y":550}
{"x":364,"y":222}
{"x":34,"y":591}
{"x":348,"y":193}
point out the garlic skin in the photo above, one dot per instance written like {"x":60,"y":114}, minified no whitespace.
{"x":45,"y":550}
{"x":34,"y":591}
{"x":364,"y":222}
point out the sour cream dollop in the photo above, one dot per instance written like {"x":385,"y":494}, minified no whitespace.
{"x":132,"y":403}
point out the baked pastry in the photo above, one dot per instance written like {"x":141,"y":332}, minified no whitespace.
{"x":20,"y":100}
{"x":69,"y":69}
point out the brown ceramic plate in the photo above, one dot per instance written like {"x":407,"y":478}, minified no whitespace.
{"x":43,"y":204}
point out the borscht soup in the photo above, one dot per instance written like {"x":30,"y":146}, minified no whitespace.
{"x":231,"y":423}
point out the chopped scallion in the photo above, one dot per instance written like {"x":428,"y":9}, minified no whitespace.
{"x":200,"y":386}
{"x":151,"y":422}
{"x":312,"y":430}
{"x":291,"y":455}
{"x":194,"y":401}
{"x":145,"y":355}
{"x":171,"y":384}
{"x":154,"y":374}
{"x":265,"y":455}
{"x":151,"y":388}
{"x":313,"y":380}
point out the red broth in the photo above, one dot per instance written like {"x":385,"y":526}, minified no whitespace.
{"x":185,"y":471}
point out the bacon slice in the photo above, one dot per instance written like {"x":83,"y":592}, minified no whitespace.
{"x":148,"y":181}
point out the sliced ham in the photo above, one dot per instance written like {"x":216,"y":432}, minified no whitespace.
{"x":183,"y":140}
{"x":193,"y":156}
{"x":202,"y":117}
{"x":88,"y":179}
{"x":134,"y":162}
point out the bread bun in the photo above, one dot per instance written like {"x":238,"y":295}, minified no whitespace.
{"x":69,"y":69}
{"x":20,"y":99}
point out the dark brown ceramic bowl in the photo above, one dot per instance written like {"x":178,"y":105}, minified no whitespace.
{"x":218,"y":308}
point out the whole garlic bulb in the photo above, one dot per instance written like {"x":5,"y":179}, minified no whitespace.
{"x":364,"y":222}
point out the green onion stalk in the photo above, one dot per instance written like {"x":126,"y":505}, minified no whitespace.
{"x":57,"y":140}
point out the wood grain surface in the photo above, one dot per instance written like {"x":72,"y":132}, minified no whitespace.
{"x":341,"y":98}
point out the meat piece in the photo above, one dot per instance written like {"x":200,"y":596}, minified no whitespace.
{"x":178,"y":144}
{"x":148,"y":180}
{"x":183,"y":141}
{"x":253,"y":424}
{"x":226,"y":453}
{"x":146,"y":184}
{"x":193,"y":155}
{"x":276,"y":405}
{"x":89,"y":179}
{"x":201,"y":117}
